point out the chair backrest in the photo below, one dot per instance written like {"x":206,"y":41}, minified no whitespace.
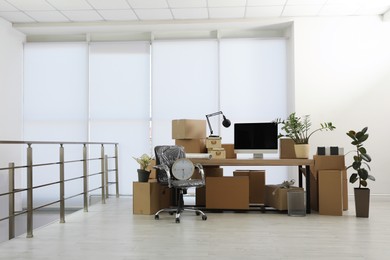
{"x":167,"y":155}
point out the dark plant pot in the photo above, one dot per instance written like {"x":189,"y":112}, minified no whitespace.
{"x":143,"y":175}
{"x":362,"y":202}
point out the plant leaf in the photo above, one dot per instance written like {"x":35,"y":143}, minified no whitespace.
{"x":353,"y":178}
{"x":363,"y":173}
{"x":363,"y":183}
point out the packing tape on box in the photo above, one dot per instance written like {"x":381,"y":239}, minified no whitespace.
{"x":198,"y":155}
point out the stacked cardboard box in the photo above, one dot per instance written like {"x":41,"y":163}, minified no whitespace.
{"x":286,"y":148}
{"x":209,"y":172}
{"x":191,"y":134}
{"x":227,"y":192}
{"x":256,"y":184}
{"x":330,"y":187}
{"x":214,"y":147}
{"x":149,"y":197}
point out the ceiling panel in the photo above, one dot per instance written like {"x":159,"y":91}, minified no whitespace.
{"x":83,"y":16}
{"x":154,"y":4}
{"x":109,"y":4}
{"x":265,"y":2}
{"x":227,"y":12}
{"x":187,"y":3}
{"x":226,"y":3}
{"x":48,"y":16}
{"x":264,"y":11}
{"x":4,"y":6}
{"x":29,"y":5}
{"x":193,"y":13}
{"x":70,"y":4}
{"x":37,"y":11}
{"x":297,"y":10}
{"x":118,"y":15}
{"x":16,"y":17}
{"x":154,"y":14}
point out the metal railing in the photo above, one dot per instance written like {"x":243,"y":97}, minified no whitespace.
{"x":85,"y":176}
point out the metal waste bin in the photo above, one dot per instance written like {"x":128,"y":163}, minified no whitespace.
{"x":296,"y":203}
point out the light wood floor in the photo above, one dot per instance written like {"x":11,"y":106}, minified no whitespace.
{"x":112,"y":232}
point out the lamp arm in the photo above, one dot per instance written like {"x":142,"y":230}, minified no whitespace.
{"x":208,"y":121}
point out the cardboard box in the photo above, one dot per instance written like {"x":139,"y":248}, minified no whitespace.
{"x":217,"y":153}
{"x":330,"y":192}
{"x":256,"y":184}
{"x":229,"y":149}
{"x":213,"y":142}
{"x":192,"y":145}
{"x":227,"y":192}
{"x":277,"y":200}
{"x":149,"y":197}
{"x":188,"y":129}
{"x":327,"y":162}
{"x":286,"y":148}
{"x":209,"y":171}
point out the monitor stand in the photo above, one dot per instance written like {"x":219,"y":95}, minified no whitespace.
{"x":258,"y":156}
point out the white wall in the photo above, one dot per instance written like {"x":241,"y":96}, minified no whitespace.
{"x":11,"y":78}
{"x":342,"y":74}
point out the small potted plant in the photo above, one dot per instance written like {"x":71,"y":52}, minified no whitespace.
{"x":144,"y":161}
{"x":361,"y":168}
{"x":298,"y":129}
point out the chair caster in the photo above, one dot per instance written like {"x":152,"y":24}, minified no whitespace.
{"x":171,"y":213}
{"x":177,"y":220}
{"x":156,"y":217}
{"x":204,"y":217}
{"x":197,"y":213}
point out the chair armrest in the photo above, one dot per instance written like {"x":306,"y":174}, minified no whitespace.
{"x":165,"y":168}
{"x":201,"y":171}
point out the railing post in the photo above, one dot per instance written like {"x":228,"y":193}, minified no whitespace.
{"x":62,"y":185}
{"x":102,"y":171}
{"x":29,"y":191}
{"x":106,"y":174}
{"x":11,"y":212}
{"x":116,"y":171}
{"x":85,"y":174}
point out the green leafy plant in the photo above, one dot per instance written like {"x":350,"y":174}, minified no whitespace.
{"x":361,"y":158}
{"x":144,"y":161}
{"x":298,"y":128}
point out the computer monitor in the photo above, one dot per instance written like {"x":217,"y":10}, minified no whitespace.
{"x":256,"y":138}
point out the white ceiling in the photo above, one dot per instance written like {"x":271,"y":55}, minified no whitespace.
{"x":38,"y":13}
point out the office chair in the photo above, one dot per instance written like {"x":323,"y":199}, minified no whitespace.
{"x":166,"y":156}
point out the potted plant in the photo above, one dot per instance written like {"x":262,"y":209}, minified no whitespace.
{"x":298,"y":129}
{"x":144,"y":161}
{"x":361,"y":167}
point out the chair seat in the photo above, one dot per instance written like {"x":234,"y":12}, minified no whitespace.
{"x":187,"y":183}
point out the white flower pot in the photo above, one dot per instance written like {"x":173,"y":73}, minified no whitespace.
{"x":302,"y":151}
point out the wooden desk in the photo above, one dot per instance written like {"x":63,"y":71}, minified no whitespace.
{"x":306,"y":163}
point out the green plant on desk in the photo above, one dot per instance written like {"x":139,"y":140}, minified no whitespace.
{"x":298,"y":128}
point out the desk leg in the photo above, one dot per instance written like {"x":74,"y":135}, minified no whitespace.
{"x":300,"y":170}
{"x":308,"y":206}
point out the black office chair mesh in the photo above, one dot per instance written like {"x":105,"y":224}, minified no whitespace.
{"x":165,"y":158}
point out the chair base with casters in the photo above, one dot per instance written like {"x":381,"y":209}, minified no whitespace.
{"x":180,"y":208}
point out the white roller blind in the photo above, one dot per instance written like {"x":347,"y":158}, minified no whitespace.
{"x":184,"y":83}
{"x":55,"y":109}
{"x":253,"y":80}
{"x":55,"y":91}
{"x":253,"y":86}
{"x":120,"y":102}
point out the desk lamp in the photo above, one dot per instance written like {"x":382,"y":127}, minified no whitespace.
{"x":226,"y":122}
